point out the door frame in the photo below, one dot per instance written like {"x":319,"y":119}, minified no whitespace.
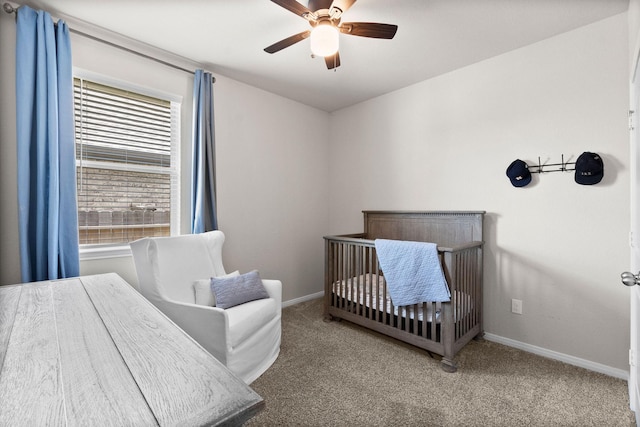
{"x":634,"y":224}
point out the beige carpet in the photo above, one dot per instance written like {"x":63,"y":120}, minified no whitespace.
{"x":338,"y":374}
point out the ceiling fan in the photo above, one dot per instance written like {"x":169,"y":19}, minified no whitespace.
{"x":324,"y":16}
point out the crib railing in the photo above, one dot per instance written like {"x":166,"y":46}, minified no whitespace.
{"x":355,"y":290}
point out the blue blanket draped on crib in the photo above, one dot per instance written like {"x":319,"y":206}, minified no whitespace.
{"x":412,"y":271}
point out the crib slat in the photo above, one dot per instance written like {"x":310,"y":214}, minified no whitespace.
{"x":434,"y":310}
{"x":354,"y":279}
{"x":349,"y":276}
{"x":469,"y":288}
{"x":339,"y":276}
{"x":335,"y":277}
{"x":469,"y":285}
{"x":369,"y":283}
{"x":463,"y":301}
{"x":345,"y":275}
{"x":459,"y":302}
{"x":407,"y":318}
{"x":342,"y":275}
{"x":468,"y":318}
{"x":361,"y":293}
{"x":462,"y":324}
{"x":477,"y":277}
{"x":373,"y":288}
{"x":424,"y":319}
{"x":357,"y":283}
{"x":388,"y":306}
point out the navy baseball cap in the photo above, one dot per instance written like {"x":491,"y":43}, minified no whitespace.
{"x":589,"y":169}
{"x":518,"y":173}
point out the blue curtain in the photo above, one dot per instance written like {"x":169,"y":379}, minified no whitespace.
{"x":203,"y":189}
{"x":48,"y":217}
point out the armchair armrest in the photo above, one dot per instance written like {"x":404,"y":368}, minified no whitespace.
{"x":199,"y":321}
{"x":274,"y":289}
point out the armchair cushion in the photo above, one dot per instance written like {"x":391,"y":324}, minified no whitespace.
{"x":232,"y":291}
{"x":204,"y":294}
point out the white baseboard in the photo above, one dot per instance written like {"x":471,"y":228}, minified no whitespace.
{"x":302,"y":299}
{"x":571,"y":360}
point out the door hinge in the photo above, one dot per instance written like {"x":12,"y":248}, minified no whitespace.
{"x":631,"y":127}
{"x":632,"y":358}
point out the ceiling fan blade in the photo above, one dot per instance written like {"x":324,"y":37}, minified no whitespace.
{"x":332,"y":61}
{"x":278,"y":46}
{"x":343,"y":5}
{"x":369,"y":29}
{"x":294,"y":6}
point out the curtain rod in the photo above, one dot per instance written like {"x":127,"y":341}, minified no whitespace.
{"x":8,"y":8}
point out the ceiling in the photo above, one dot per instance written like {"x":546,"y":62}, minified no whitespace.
{"x":434,"y":37}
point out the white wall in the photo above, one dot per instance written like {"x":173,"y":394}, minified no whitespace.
{"x":445,"y":143}
{"x":9,"y":254}
{"x":634,"y":30}
{"x":272,"y":172}
{"x":272,"y":185}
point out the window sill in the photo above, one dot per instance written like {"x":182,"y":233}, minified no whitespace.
{"x":89,"y":252}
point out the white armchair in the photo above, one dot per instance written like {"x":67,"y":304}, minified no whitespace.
{"x":246,"y":338}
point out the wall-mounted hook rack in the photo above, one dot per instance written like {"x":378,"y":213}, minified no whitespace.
{"x":589,"y":169}
{"x":559,"y":167}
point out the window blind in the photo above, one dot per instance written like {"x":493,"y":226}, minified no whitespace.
{"x":124,"y":150}
{"x":121,"y":126}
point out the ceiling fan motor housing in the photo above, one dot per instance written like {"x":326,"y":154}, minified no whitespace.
{"x":315,"y":5}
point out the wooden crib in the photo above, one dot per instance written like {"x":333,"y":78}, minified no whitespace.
{"x":355,"y":287}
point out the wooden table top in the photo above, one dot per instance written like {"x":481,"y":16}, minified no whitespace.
{"x":93,"y":351}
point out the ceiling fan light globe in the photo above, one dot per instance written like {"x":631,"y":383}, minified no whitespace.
{"x":324,"y":40}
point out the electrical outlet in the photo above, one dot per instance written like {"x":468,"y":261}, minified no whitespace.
{"x":516,"y":306}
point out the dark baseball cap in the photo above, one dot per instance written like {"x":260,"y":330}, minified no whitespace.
{"x":589,"y":169}
{"x":518,"y":173}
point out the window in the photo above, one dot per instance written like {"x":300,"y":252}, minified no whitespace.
{"x":127,"y":164}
